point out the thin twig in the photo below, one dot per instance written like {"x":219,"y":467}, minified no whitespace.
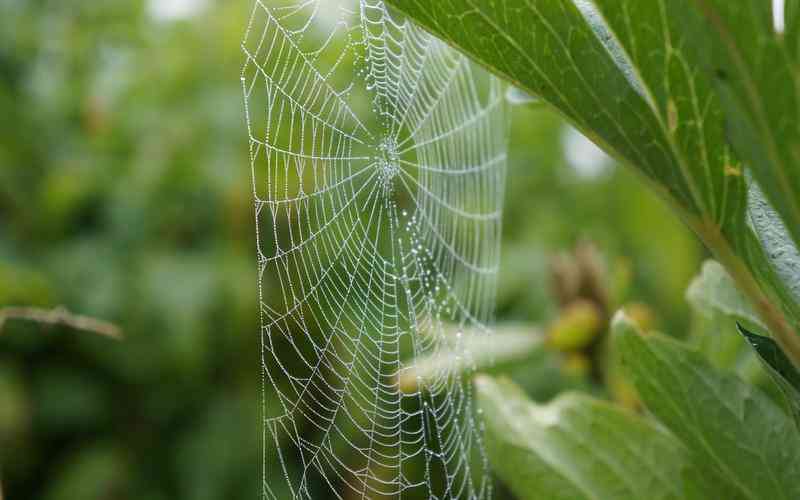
{"x":59,"y":316}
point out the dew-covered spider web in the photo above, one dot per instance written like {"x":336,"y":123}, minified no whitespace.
{"x":378,"y":164}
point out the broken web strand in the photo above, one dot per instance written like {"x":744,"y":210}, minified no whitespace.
{"x":379,"y":236}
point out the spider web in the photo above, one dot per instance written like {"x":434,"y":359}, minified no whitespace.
{"x":378,"y":164}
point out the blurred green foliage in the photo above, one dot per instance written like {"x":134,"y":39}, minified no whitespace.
{"x":125,"y":194}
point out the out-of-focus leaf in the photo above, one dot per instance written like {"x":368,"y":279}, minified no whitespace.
{"x":780,"y":368}
{"x":719,"y":305}
{"x":751,"y":444}
{"x":714,"y":290}
{"x":713,"y":337}
{"x":580,"y":448}
{"x":463,"y":350}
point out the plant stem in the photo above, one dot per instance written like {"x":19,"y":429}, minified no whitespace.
{"x":60,"y":316}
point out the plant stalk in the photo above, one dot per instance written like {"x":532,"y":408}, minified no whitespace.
{"x":60,"y":316}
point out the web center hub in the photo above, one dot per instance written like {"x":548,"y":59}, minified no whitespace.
{"x":388,"y":164}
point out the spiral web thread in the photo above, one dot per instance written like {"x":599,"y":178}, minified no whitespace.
{"x":378,"y":230}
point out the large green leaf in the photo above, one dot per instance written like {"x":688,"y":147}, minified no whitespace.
{"x":628,"y":74}
{"x":750,"y":442}
{"x":656,"y":36}
{"x":580,"y":448}
{"x":666,"y":42}
{"x":552,"y":51}
{"x":759,"y":79}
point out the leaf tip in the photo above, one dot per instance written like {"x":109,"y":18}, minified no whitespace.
{"x":622,"y":324}
{"x":753,"y":339}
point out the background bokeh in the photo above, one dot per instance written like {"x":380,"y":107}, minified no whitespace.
{"x":125,"y":195}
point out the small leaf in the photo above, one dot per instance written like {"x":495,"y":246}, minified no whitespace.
{"x":580,"y":448}
{"x":780,"y":368}
{"x":749,"y":443}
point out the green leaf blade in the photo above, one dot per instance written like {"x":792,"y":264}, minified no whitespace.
{"x":580,"y":448}
{"x":758,"y":77}
{"x":658,"y":38}
{"x":750,"y":443}
{"x":552,"y":50}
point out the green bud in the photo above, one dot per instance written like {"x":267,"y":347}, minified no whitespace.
{"x":579,"y":324}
